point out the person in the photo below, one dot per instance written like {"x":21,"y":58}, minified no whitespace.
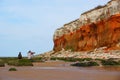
{"x":30,"y":54}
{"x":19,"y":55}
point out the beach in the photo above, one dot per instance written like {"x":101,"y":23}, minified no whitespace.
{"x":59,"y":70}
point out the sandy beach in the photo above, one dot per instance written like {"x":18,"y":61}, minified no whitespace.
{"x":58,"y":70}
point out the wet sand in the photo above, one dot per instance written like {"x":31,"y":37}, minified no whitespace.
{"x":59,"y":71}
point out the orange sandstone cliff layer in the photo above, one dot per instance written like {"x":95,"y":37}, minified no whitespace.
{"x":91,"y":36}
{"x":99,"y":27}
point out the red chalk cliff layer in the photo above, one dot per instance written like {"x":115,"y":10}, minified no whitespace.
{"x":91,"y":30}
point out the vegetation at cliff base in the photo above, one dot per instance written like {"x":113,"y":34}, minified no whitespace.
{"x":70,"y":59}
{"x":81,"y":62}
{"x":110,"y":62}
{"x":37,"y":59}
{"x":85,"y":64}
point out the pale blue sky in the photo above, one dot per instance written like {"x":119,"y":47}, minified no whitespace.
{"x":30,"y":24}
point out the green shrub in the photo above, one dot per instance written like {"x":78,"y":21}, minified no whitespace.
{"x":67,"y":59}
{"x":20,"y":62}
{"x":110,"y":62}
{"x":14,"y":61}
{"x":37,"y":59}
{"x":70,"y":59}
{"x":85,"y":64}
{"x":24,"y":62}
{"x":53,"y":58}
{"x":2,"y":63}
{"x":92,"y":63}
{"x":12,"y":69}
{"x":7,"y":59}
{"x":99,"y":59}
{"x":87,"y":59}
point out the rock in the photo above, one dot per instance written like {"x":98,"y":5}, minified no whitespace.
{"x":96,"y":28}
{"x":96,"y":34}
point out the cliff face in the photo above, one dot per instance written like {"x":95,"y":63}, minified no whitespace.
{"x":98,"y":27}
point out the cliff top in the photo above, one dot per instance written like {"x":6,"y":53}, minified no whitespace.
{"x":98,"y":7}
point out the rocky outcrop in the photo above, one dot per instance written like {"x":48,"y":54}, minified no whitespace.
{"x":96,"y":28}
{"x":97,"y":53}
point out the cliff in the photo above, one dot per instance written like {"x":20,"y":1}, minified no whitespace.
{"x":96,"y":28}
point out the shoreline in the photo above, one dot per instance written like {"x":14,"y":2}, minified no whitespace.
{"x":56,"y":70}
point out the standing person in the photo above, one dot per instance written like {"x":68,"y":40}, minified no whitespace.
{"x":19,"y":55}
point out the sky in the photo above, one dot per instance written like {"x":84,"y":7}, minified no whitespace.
{"x":30,"y":24}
